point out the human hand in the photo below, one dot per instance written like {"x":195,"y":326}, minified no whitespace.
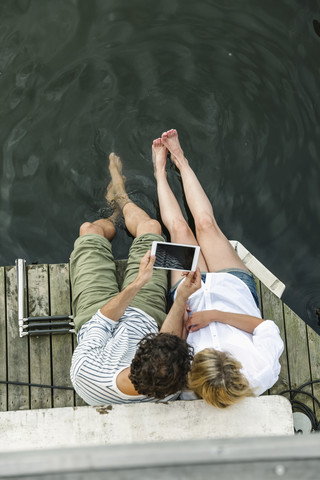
{"x":186,"y":314}
{"x":145,"y":268}
{"x":199,"y":320}
{"x":191,"y":284}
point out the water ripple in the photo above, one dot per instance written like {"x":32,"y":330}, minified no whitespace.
{"x":239,"y":81}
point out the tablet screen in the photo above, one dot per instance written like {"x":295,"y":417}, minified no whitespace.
{"x":174,"y":257}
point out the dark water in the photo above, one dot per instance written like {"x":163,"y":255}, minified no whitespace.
{"x":240,"y":82}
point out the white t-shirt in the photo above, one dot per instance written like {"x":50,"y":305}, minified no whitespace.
{"x":259,"y":352}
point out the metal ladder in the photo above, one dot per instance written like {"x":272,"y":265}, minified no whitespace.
{"x":44,"y":325}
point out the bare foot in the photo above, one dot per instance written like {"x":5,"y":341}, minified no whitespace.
{"x":117,"y":191}
{"x":159,"y":156}
{"x":110,"y":195}
{"x":115,"y":163}
{"x":171,"y":141}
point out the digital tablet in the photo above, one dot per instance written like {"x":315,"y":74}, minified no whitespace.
{"x":175,"y":256}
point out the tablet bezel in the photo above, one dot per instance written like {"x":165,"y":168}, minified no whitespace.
{"x":194,"y":260}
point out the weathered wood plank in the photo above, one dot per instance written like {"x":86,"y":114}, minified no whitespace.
{"x":3,"y":343}
{"x":259,"y":292}
{"x":17,"y":348}
{"x":40,"y":357}
{"x":298,"y":356}
{"x":79,"y":402}
{"x":314,"y":350}
{"x":61,"y":344}
{"x":258,"y":287}
{"x":272,"y":310}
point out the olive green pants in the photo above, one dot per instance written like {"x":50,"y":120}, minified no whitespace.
{"x":94,"y":282}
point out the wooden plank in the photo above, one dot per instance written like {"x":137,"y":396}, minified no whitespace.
{"x":298,"y":355}
{"x":3,"y":342}
{"x":272,"y":310}
{"x":17,"y":348}
{"x":314,"y":350}
{"x":259,"y":292}
{"x":61,"y":344}
{"x":40,"y":350}
{"x":258,"y":287}
{"x":79,"y":402}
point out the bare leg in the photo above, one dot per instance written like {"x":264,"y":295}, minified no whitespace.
{"x":137,"y":220}
{"x":171,"y":214}
{"x":104,"y":226}
{"x":110,"y":199}
{"x":215,"y":247}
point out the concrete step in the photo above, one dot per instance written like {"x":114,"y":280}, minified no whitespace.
{"x":148,"y":422}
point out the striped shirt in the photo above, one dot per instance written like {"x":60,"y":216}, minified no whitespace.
{"x":105,"y":348}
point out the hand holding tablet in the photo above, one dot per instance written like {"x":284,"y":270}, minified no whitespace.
{"x":175,"y":256}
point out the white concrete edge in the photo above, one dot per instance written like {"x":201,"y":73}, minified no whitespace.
{"x":258,"y":269}
{"x":144,"y":422}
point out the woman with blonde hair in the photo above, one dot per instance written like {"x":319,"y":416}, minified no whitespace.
{"x":236,"y":351}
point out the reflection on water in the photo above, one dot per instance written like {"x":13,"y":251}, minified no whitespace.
{"x":239,"y":80}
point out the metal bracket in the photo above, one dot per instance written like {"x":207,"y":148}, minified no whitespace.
{"x":35,"y":325}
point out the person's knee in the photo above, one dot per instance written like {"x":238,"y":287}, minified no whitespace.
{"x":88,"y":227}
{"x":149,"y":226}
{"x":206,"y":223}
{"x":180,"y":227}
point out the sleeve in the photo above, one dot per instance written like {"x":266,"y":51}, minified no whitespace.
{"x":97,"y":331}
{"x":267,"y":340}
{"x":93,"y":337}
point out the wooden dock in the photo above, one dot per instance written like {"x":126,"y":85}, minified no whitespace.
{"x":45,"y":360}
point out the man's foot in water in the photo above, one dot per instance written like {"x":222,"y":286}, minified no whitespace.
{"x":117,"y":193}
{"x":116,"y":211}
{"x":159,"y":157}
{"x":171,"y":141}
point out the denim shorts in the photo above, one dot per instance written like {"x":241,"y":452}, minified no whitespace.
{"x":243,"y":275}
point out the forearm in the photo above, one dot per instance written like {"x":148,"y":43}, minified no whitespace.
{"x":114,"y":308}
{"x":244,"y":322}
{"x":174,"y":320}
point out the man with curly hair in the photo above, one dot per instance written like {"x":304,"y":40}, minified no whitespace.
{"x":106,"y":366}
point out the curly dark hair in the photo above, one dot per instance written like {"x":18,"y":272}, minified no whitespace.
{"x":161,"y":365}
